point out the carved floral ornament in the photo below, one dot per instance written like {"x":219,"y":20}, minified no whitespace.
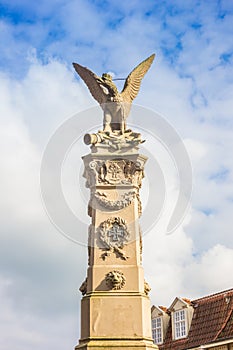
{"x":113,"y":234}
{"x":114,"y":172}
{"x":115,"y":279}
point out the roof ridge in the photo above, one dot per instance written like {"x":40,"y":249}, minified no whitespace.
{"x":213,"y":295}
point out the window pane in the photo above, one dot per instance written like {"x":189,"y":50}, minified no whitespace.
{"x":157,"y":330}
{"x":177,"y":331}
{"x":179,"y":324}
{"x":183,"y":332}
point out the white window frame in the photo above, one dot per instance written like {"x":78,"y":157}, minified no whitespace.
{"x":157,"y":330}
{"x":180,"y":324}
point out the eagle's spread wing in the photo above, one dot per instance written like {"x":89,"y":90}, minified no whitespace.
{"x":133,"y":81}
{"x":93,"y":83}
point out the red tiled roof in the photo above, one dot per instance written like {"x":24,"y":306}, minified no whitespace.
{"x":163,"y":308}
{"x":187,"y":300}
{"x":212,"y":321}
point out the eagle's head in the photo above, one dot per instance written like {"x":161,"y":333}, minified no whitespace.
{"x":106,"y":77}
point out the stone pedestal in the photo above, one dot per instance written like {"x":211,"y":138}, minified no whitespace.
{"x":115,"y":308}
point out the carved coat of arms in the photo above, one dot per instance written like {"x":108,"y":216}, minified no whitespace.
{"x":115,"y":171}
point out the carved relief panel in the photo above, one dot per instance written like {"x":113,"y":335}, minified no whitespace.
{"x":114,"y":172}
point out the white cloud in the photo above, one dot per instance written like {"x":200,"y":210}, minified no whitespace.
{"x":25,"y":330}
{"x":43,"y":282}
{"x":211,"y":271}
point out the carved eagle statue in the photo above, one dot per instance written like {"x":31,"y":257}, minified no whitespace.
{"x":116,"y":105}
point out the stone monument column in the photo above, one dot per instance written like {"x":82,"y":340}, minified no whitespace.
{"x":115,"y":308}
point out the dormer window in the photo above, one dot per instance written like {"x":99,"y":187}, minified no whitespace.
{"x":179,"y":324}
{"x":181,"y":316}
{"x":157,"y":330}
{"x":159,"y":322}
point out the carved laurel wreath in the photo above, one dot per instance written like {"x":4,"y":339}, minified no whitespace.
{"x":106,"y":233}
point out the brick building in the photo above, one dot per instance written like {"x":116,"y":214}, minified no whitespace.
{"x":204,"y":323}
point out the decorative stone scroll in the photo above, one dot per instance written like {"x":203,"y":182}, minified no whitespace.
{"x":115,"y":279}
{"x":114,"y":172}
{"x":113,"y":234}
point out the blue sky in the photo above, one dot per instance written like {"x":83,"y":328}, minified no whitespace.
{"x":190,"y":84}
{"x":81,"y":26}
